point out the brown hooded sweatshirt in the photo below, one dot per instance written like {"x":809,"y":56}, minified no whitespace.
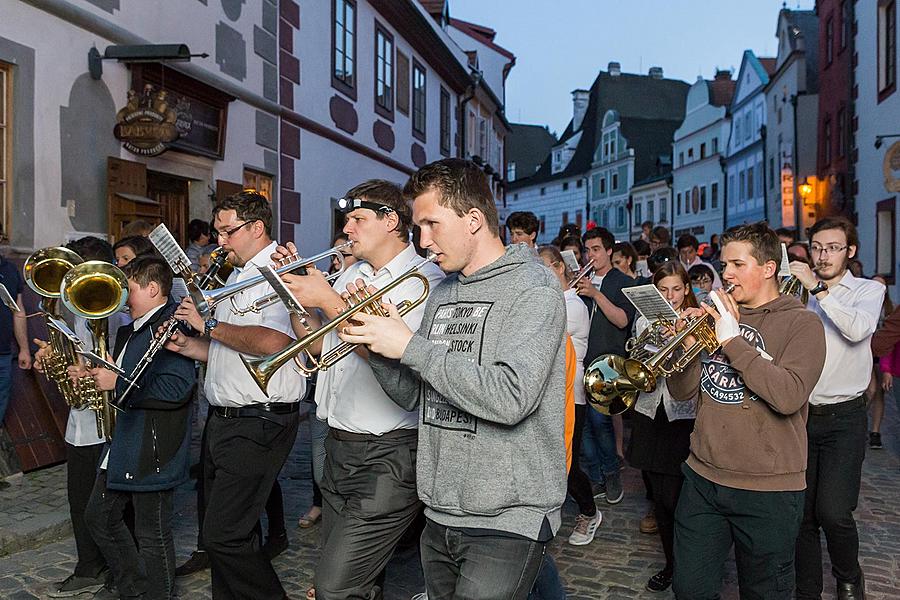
{"x":752,"y":395}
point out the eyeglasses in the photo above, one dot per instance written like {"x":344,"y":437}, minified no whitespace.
{"x":230,"y":232}
{"x":830,"y":249}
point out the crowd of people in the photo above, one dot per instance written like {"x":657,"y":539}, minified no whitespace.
{"x":463,"y":422}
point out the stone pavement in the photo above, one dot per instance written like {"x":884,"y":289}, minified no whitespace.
{"x":615,"y":566}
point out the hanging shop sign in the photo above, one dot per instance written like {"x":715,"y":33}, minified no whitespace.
{"x":148,"y":123}
{"x":891,"y":168}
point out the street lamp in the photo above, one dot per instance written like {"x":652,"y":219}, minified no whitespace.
{"x":805,"y":189}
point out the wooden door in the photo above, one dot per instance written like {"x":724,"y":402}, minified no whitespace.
{"x":127,"y":199}
{"x":227,"y":188}
{"x":171,"y":195}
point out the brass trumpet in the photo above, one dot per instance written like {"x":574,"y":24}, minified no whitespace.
{"x":206,"y":301}
{"x":586,"y":271}
{"x":44,"y":271}
{"x":263,"y":368}
{"x":613,"y":382}
{"x":791,"y":286}
{"x":96,"y":290}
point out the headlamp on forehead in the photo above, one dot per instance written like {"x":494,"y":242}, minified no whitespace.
{"x":350,"y":204}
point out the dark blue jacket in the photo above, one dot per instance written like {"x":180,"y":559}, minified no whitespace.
{"x":151,"y":443}
{"x":604,"y":337}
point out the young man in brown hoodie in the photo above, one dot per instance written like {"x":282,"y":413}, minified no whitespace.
{"x":745,"y":475}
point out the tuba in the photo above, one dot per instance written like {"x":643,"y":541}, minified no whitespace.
{"x":44,"y":271}
{"x":95,"y":290}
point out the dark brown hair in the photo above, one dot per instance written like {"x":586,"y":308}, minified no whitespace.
{"x":524,"y":220}
{"x":389,"y":194}
{"x":674,"y":268}
{"x":462,"y":186}
{"x":837,"y":222}
{"x":144,"y":269}
{"x":764,"y":242}
{"x":140,"y":245}
{"x":606,"y":238}
{"x":628,"y":251}
{"x":249,"y":206}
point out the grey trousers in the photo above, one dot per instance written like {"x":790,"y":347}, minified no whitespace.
{"x":369,"y":500}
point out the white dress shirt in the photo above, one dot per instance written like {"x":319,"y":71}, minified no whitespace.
{"x":347,"y":395}
{"x":578,"y":325}
{"x":228,"y":383}
{"x":81,"y":426}
{"x":717,"y":282}
{"x":850,"y":314}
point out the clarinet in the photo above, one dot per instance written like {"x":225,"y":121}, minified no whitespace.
{"x":172,"y":325}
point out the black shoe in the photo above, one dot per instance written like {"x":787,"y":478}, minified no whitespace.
{"x":73,"y":585}
{"x":852,"y":591}
{"x":198,"y":561}
{"x":4,"y":484}
{"x":875,"y":440}
{"x":275,"y":545}
{"x":659,"y":582}
{"x":107,"y":592}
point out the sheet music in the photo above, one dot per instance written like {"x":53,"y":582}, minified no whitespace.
{"x":284,"y":294}
{"x":63,"y":327}
{"x":8,"y":300}
{"x":179,"y":289}
{"x":650,"y":302}
{"x":165,"y":243}
{"x":571,"y":261}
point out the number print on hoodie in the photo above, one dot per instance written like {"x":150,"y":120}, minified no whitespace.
{"x":460,"y":327}
{"x":722,"y":382}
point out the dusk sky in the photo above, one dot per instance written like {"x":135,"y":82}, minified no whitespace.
{"x":560,"y":45}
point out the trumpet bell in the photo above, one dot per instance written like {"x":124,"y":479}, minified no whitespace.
{"x":613,"y":382}
{"x":45,"y":269}
{"x":95,"y":290}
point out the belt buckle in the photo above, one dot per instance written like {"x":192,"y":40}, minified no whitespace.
{"x":229,"y":412}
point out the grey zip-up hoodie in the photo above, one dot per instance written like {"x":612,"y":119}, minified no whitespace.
{"x":487,"y":369}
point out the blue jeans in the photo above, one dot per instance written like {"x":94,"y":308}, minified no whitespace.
{"x":598,"y":446}
{"x":548,"y":585}
{"x":6,"y":361}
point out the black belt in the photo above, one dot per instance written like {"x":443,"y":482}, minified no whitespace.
{"x":396,"y":434}
{"x":841,"y":408}
{"x":257,"y":410}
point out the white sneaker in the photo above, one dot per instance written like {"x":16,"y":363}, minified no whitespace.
{"x":585,"y":528}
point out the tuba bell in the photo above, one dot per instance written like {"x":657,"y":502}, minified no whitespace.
{"x":96,"y":290}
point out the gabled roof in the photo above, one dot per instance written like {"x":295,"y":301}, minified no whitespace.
{"x":483,"y":34}
{"x":528,"y":146}
{"x":804,"y":27}
{"x":636,"y":97}
{"x":768,"y":64}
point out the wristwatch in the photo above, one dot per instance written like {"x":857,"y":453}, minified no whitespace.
{"x":820,"y":287}
{"x":209,"y":325}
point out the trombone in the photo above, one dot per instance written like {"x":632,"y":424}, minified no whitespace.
{"x":206,"y":301}
{"x":263,"y":368}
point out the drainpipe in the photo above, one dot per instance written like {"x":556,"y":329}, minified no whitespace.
{"x":798,"y":206}
{"x":724,"y":166}
{"x":762,"y":135}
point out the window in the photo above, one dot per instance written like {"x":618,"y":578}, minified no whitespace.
{"x":715,"y":145}
{"x":637,"y":212}
{"x":565,"y":217}
{"x":445,"y":126}
{"x":730,"y":192}
{"x":384,"y":72}
{"x":842,"y":132}
{"x":402,"y":83}
{"x":5,"y":150}
{"x":772,"y":172}
{"x":662,"y":210}
{"x":690,"y":154}
{"x":748,"y":128}
{"x":687,"y":201}
{"x":565,"y":186}
{"x":743,"y":186}
{"x":344,"y":42}
{"x":846,"y":22}
{"x":702,"y":151}
{"x":651,"y":210}
{"x":262,"y":183}
{"x":516,"y":196}
{"x":543,"y":224}
{"x":750,"y":181}
{"x":681,"y":159}
{"x":714,"y":196}
{"x":603,"y":185}
{"x":579,"y":183}
{"x":511,"y":171}
{"x":829,"y":40}
{"x":418,"y":100}
{"x":620,"y":217}
{"x":779,"y":114}
{"x":615,"y":182}
{"x":578,"y":219}
{"x":678,"y":203}
{"x":887,"y":48}
{"x":543,"y":191}
{"x":703,"y":198}
{"x":885,"y":252}
{"x":826,"y":140}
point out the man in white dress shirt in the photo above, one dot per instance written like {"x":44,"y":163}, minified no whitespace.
{"x":369,"y":485}
{"x":250,"y":435}
{"x":849,"y":308}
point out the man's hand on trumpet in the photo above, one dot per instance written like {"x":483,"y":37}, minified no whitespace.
{"x":312,"y":289}
{"x":387,"y":336}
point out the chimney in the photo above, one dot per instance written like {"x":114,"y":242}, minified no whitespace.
{"x":579,"y":107}
{"x":614,"y":68}
{"x":723,"y":74}
{"x":656,"y":73}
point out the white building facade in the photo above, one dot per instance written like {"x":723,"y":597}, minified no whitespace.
{"x":651,"y":201}
{"x":698,"y":182}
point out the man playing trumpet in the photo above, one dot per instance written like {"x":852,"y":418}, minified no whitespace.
{"x":744,"y":477}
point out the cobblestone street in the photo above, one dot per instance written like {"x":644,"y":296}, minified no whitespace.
{"x":615,"y":566}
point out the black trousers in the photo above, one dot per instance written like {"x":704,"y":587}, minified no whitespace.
{"x":369,"y":500}
{"x":579,"y":486}
{"x":243,"y":458}
{"x":665,"y":490}
{"x":762,"y":526}
{"x":142,"y":566}
{"x":837,"y":447}
{"x":81,"y":471}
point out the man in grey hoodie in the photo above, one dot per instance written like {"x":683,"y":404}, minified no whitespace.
{"x":487,"y":371}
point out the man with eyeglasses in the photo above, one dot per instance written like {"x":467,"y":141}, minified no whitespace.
{"x":368,"y":483}
{"x":849,"y":308}
{"x":249,"y":435}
